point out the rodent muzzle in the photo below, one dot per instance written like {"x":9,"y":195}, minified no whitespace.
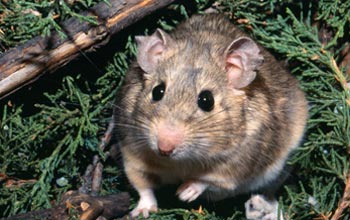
{"x":169,"y":137}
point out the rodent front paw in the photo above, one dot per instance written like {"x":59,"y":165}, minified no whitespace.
{"x":258,"y":208}
{"x":144,"y":210}
{"x":146,"y":204}
{"x":190,"y":191}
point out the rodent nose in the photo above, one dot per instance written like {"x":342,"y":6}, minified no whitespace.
{"x":165,"y":153}
{"x":169,"y":137}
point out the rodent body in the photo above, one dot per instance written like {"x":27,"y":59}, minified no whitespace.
{"x":207,"y":107}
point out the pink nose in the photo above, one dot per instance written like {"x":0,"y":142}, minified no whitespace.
{"x":169,"y":138}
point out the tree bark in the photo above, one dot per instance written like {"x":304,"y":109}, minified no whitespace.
{"x":26,"y":63}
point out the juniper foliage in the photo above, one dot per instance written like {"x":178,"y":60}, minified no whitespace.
{"x":44,"y":154}
{"x":22,"y":20}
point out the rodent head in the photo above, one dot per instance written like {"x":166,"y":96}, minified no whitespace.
{"x":192,"y":100}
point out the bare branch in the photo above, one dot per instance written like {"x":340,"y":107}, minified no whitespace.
{"x":26,"y":63}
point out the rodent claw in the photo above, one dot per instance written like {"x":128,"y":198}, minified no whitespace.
{"x":145,"y":213}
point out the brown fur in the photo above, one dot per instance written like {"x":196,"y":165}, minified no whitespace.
{"x":249,"y":133}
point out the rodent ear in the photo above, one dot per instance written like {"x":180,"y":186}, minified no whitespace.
{"x":242,"y":58}
{"x":151,"y":48}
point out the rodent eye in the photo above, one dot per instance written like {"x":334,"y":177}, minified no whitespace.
{"x":206,"y":100}
{"x":158,"y":92}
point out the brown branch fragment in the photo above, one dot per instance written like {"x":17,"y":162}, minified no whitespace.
{"x":345,"y":61}
{"x":92,"y":178}
{"x":344,"y":202}
{"x":85,"y":206}
{"x":25,"y":63}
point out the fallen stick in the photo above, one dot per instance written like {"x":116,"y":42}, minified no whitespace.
{"x":26,"y":63}
{"x":84,"y":206}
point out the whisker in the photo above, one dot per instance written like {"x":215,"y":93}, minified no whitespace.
{"x":136,"y":142}
{"x":133,"y":126}
{"x":209,"y":117}
{"x":209,"y":126}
